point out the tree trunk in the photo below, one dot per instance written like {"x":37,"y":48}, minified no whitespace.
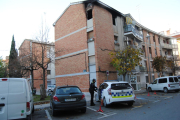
{"x":44,"y":83}
{"x":124,"y":76}
{"x":42,"y":92}
{"x":32,"y":78}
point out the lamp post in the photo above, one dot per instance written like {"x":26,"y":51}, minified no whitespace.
{"x":147,"y":43}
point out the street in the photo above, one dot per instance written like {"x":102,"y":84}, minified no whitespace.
{"x":154,"y":107}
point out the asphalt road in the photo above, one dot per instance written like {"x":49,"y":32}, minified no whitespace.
{"x":155,"y":107}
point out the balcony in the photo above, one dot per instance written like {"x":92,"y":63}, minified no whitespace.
{"x":166,"y":46}
{"x":131,"y":32}
{"x":169,"y":57}
{"x":142,"y":68}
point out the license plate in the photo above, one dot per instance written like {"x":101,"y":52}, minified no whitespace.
{"x":72,"y":99}
{"x":172,"y":86}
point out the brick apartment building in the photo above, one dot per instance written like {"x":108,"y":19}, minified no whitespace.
{"x":30,"y":50}
{"x":86,"y":32}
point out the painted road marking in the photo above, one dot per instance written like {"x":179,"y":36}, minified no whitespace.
{"x":48,"y":115}
{"x":105,"y":115}
{"x":134,"y":107}
{"x":156,"y":101}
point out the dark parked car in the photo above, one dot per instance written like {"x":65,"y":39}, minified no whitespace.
{"x":67,"y":98}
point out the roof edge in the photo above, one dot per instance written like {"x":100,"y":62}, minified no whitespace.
{"x":137,"y":23}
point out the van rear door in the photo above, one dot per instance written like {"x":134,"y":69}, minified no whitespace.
{"x":17,"y":98}
{"x":3,"y":98}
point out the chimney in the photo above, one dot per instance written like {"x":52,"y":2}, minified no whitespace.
{"x":168,"y":32}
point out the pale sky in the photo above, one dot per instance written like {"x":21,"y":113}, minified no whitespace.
{"x":23,"y":18}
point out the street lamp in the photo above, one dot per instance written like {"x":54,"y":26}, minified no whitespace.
{"x":148,"y":38}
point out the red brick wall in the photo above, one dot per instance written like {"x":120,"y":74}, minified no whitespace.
{"x":104,"y":39}
{"x":72,"y":20}
{"x":81,"y":81}
{"x":24,"y":48}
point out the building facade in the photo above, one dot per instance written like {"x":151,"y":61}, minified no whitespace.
{"x":31,"y":51}
{"x":85,"y":34}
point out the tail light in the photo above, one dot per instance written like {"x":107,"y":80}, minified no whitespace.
{"x":109,"y":91}
{"x":28,"y":106}
{"x":56,"y":99}
{"x":168,"y":85}
{"x":4,"y":79}
{"x":83,"y":96}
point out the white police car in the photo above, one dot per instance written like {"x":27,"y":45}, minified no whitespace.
{"x":115,"y":92}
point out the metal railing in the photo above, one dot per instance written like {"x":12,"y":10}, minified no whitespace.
{"x":130,"y":28}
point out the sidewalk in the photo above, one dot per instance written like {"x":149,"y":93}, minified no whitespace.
{"x":87,"y":96}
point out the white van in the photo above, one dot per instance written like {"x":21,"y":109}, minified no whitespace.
{"x":168,"y":83}
{"x":16,"y":99}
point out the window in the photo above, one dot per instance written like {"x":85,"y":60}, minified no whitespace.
{"x":175,"y":79}
{"x":155,"y":51}
{"x":163,"y":80}
{"x":149,"y":50}
{"x":155,"y":82}
{"x":120,"y":86}
{"x":147,"y":80}
{"x":114,"y":20}
{"x":105,"y":85}
{"x":138,"y":79}
{"x":171,"y":79}
{"x":153,"y":38}
{"x":68,"y":90}
{"x":159,"y":40}
{"x":89,"y":14}
{"x":48,"y":72}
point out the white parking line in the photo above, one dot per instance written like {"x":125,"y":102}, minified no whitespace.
{"x":48,"y":115}
{"x":168,"y":97}
{"x":156,"y":101}
{"x":105,"y":115}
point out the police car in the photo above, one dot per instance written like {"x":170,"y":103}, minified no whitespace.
{"x":115,"y":92}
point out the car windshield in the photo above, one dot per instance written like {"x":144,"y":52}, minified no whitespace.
{"x":119,"y":86}
{"x":68,"y":90}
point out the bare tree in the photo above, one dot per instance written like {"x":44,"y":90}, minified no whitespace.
{"x":27,"y":63}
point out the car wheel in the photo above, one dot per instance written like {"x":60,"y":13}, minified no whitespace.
{"x":130,"y":103}
{"x":29,"y":117}
{"x":149,"y":89}
{"x":33,"y":109}
{"x":105,"y":103}
{"x":53,"y":112}
{"x":165,"y":90}
{"x":96,"y":98}
{"x":83,"y":110}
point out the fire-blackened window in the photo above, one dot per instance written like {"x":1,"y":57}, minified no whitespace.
{"x":89,"y":14}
